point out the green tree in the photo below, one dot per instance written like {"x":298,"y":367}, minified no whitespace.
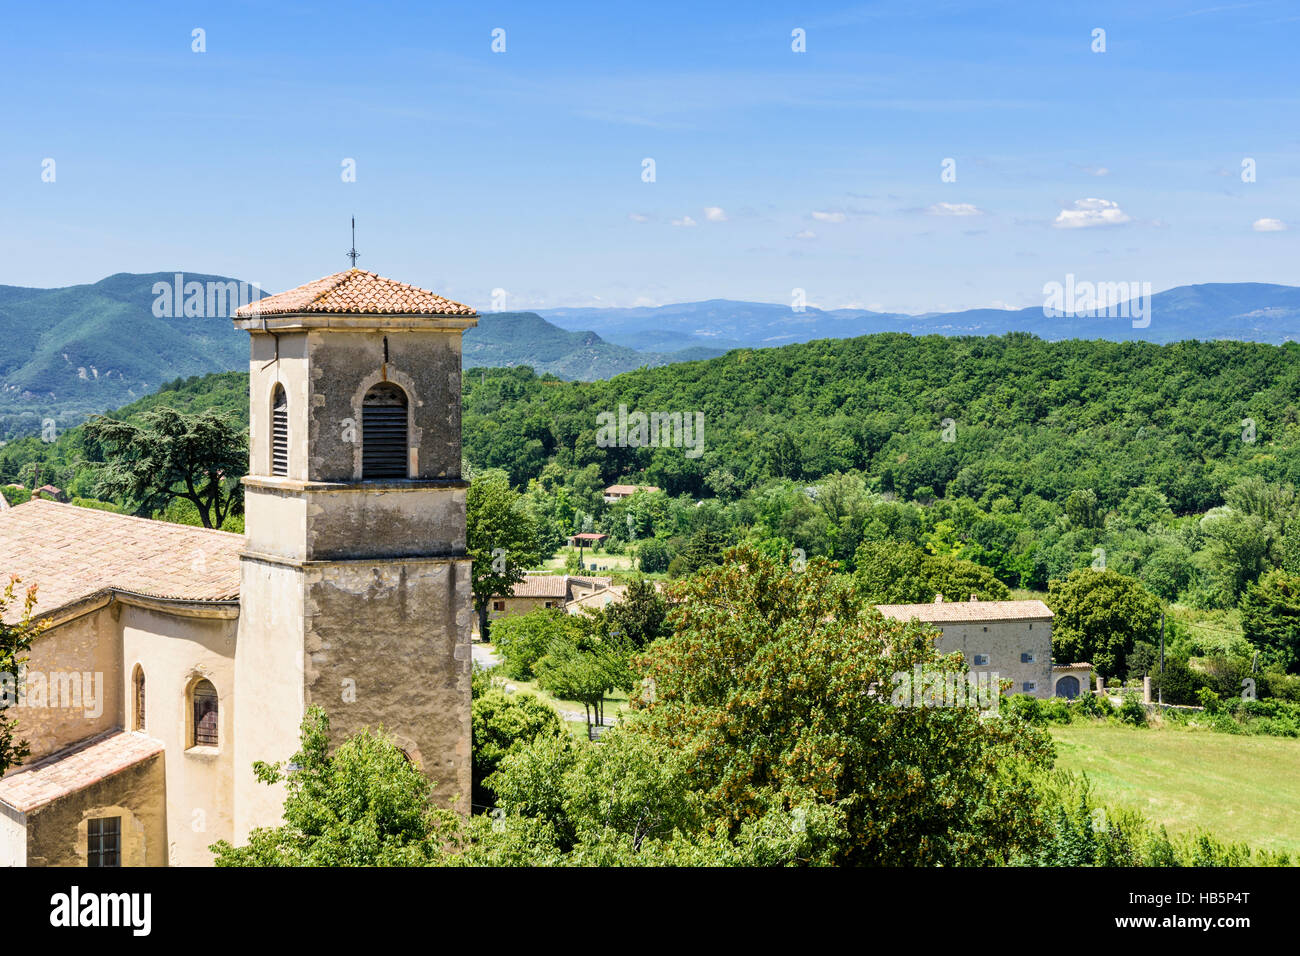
{"x":503,"y":723}
{"x":523,"y":639}
{"x":501,"y":539}
{"x":170,"y":455}
{"x":1270,"y":617}
{"x":781,"y":686}
{"x":363,"y":805}
{"x":16,"y":636}
{"x":1099,"y":617}
{"x":641,"y":617}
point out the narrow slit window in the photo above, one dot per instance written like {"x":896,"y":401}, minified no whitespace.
{"x":280,"y":432}
{"x":138,"y":683}
{"x":383,"y":433}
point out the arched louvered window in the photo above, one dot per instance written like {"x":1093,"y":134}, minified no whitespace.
{"x":137,"y":683}
{"x":204,"y":697}
{"x":279,"y":432}
{"x":383,"y":432}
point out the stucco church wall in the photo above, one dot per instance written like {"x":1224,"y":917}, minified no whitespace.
{"x":268,"y":670}
{"x":176,"y":651}
{"x":79,"y":665}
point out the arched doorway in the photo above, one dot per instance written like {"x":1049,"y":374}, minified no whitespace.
{"x":1068,"y":687}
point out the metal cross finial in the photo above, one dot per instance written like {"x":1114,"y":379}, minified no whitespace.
{"x":352,"y":253}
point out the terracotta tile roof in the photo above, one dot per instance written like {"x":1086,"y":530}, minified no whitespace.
{"x":72,"y":553}
{"x":357,"y":292}
{"x":957,"y":612}
{"x":32,"y":787}
{"x":1072,"y":667}
{"x":553,"y":585}
{"x":629,"y":489}
{"x":541,"y":585}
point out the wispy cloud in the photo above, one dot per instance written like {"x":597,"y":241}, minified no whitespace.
{"x":1091,"y":212}
{"x":715,"y":214}
{"x":828,"y":216}
{"x":954,"y":209}
{"x":1269,"y":225}
{"x":684,"y":221}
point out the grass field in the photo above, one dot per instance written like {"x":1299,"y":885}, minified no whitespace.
{"x":1241,"y":789}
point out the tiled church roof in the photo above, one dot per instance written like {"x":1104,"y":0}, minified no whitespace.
{"x":30,"y":788}
{"x":73,"y":553}
{"x":357,"y":292}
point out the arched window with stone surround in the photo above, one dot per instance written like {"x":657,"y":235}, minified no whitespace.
{"x":383,"y":433}
{"x":204,"y":701}
{"x":279,"y":431}
{"x":137,"y":698}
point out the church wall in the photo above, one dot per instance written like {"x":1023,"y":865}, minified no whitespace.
{"x":56,"y":832}
{"x":268,"y":670}
{"x":389,"y":643}
{"x":175,"y":651}
{"x":73,"y":684}
{"x":369,"y":520}
{"x":345,"y":364}
{"x":291,"y":372}
{"x":13,"y":836}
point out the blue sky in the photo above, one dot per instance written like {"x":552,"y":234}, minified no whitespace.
{"x":522,"y":170}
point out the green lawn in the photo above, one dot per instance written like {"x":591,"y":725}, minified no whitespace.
{"x":615,"y":563}
{"x":1241,"y":789}
{"x":614,"y":703}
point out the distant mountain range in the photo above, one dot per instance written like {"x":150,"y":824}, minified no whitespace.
{"x":75,"y":351}
{"x":1250,"y":311}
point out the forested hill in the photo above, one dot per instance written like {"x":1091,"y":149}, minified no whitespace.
{"x":1027,"y":417}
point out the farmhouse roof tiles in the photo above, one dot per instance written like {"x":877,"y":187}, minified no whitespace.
{"x":958,"y":612}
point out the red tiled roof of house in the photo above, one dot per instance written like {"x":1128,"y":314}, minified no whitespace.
{"x":356,"y":292}
{"x":32,"y":787}
{"x":73,"y":553}
{"x":553,"y":585}
{"x":956,"y":612}
{"x":542,"y":585}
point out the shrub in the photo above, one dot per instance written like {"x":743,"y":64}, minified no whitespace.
{"x":1132,"y":711}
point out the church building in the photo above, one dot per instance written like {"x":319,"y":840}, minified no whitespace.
{"x":174,"y":657}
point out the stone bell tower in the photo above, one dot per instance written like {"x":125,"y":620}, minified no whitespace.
{"x":355,"y":590}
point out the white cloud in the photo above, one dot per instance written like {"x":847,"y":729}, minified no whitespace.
{"x":829,"y":216}
{"x":805,"y":234}
{"x":1098,"y":170}
{"x":1269,"y":225}
{"x":684,"y":221}
{"x":714,"y":214}
{"x":638,"y":217}
{"x":1091,"y":212}
{"x":954,"y":209}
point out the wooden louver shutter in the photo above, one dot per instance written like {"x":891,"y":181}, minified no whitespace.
{"x":383,"y":433}
{"x":280,"y":434}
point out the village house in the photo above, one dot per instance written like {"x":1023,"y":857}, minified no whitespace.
{"x":174,"y":657}
{"x":618,"y":492}
{"x":1009,"y":639}
{"x":544,"y":591}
